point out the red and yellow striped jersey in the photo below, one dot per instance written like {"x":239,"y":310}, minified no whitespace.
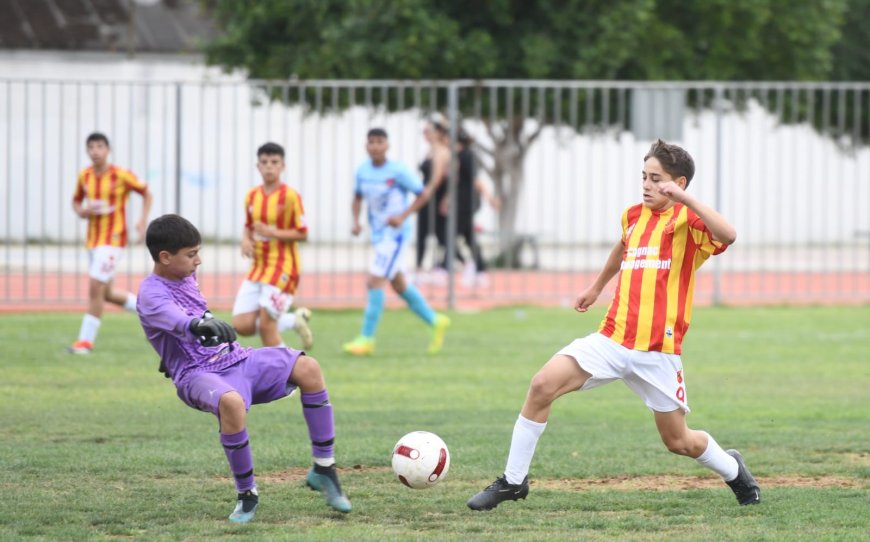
{"x":276,"y":262}
{"x":107,"y":195}
{"x":652,"y":304}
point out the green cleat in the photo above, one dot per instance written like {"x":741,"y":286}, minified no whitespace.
{"x":439,"y":328}
{"x":325,"y":480}
{"x":361,"y":346}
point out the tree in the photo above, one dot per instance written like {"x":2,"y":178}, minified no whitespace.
{"x":522,"y":39}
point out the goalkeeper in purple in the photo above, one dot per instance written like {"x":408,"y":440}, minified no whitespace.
{"x":213,"y":373}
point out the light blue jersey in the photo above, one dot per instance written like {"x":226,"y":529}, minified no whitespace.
{"x":385,"y":189}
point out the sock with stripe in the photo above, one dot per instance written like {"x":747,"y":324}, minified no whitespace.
{"x":418,"y":304}
{"x":321,"y":425}
{"x":238,"y":452}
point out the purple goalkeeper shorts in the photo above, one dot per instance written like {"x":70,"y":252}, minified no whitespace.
{"x":260,"y":378}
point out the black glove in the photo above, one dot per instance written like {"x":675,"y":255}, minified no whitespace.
{"x":212,"y":332}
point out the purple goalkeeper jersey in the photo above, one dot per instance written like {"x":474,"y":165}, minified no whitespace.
{"x":166,"y":308}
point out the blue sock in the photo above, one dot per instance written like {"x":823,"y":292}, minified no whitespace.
{"x":374,"y":309}
{"x":418,"y":304}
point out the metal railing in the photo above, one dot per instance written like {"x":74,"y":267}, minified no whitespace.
{"x":787,"y":163}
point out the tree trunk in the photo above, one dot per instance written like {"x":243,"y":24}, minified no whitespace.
{"x":506,"y":170}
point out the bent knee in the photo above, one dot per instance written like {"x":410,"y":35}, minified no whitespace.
{"x":543,"y":387}
{"x":307,"y":374}
{"x":231,"y":403}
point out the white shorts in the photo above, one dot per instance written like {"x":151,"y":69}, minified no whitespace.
{"x":104,"y":262}
{"x":387,"y":257}
{"x":655,"y":377}
{"x":255,"y":295}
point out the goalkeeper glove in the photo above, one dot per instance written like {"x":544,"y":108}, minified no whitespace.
{"x":212,"y":332}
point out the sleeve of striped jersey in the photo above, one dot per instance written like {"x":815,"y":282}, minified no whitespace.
{"x":625,"y":226}
{"x":133,"y":182}
{"x":249,"y":219}
{"x":79,"y":194}
{"x":703,"y":237}
{"x":297,"y":213}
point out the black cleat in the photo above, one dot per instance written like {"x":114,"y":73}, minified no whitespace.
{"x":497,"y":492}
{"x":744,"y":486}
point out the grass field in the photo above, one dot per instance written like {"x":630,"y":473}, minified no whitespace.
{"x":99,"y":447}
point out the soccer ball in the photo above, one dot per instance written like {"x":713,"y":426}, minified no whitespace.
{"x":420,"y":459}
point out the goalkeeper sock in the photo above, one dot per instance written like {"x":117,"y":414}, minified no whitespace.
{"x":715,"y":459}
{"x":238,"y":452}
{"x":523,"y":443}
{"x":317,"y":411}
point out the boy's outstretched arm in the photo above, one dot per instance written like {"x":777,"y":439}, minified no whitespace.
{"x":147,"y":200}
{"x":611,"y":267}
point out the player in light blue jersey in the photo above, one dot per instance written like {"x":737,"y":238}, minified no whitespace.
{"x":384,"y":185}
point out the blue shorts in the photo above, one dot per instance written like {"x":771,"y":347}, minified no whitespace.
{"x":260,"y":378}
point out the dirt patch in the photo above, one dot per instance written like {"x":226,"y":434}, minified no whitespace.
{"x":618,"y":483}
{"x":674,"y":483}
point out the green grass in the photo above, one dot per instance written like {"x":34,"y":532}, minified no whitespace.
{"x":100,"y":448}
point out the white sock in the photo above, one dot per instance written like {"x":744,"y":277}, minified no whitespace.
{"x":324,"y":461}
{"x":715,"y":459}
{"x":287,"y":321}
{"x":523,"y":442}
{"x":130,"y":304}
{"x":90,"y":326}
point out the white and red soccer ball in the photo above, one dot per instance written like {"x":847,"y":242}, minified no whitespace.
{"x":420,"y":459}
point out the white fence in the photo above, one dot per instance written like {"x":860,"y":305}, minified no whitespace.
{"x":787,"y":163}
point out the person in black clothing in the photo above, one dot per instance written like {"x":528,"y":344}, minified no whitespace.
{"x":434,"y":169}
{"x":469,"y":189}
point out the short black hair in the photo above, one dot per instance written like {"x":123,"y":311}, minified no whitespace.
{"x":97,"y":136}
{"x":170,"y":233}
{"x":377,"y":132}
{"x":270,"y":148}
{"x":673,"y":158}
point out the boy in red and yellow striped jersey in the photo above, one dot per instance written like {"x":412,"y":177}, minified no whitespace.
{"x":274,"y":224}
{"x":101,"y":197}
{"x":665,"y":239}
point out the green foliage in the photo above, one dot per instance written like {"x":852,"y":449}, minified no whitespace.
{"x":517,"y":39}
{"x":100,"y":448}
{"x":852,"y":51}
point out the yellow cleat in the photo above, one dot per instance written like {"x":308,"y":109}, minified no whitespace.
{"x":438,"y":329}
{"x":361,"y":346}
